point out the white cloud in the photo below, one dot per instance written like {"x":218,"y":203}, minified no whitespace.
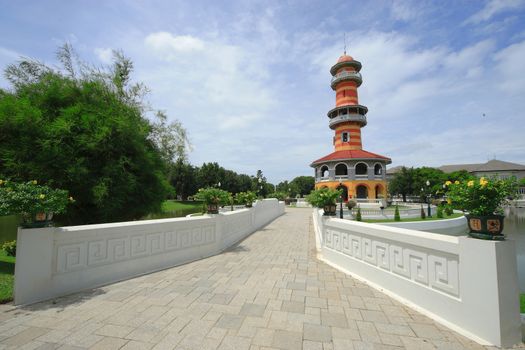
{"x":403,"y":10}
{"x":105,"y":55}
{"x":492,"y":8}
{"x":511,"y":67}
{"x":173,"y":44}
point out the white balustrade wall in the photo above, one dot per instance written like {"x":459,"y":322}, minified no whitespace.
{"x":56,"y":261}
{"x":467,"y":284}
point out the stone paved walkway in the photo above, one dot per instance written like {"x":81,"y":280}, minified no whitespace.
{"x":269,"y":292}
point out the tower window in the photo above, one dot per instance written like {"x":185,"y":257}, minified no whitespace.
{"x":344,"y":137}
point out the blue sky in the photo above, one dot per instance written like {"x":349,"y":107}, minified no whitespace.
{"x":444,"y":81}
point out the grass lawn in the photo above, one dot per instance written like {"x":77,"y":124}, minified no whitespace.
{"x":522,"y":303}
{"x":7,"y":276}
{"x":455,"y":215}
{"x":174,"y":209}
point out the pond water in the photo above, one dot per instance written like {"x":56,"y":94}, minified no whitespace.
{"x":514,"y":229}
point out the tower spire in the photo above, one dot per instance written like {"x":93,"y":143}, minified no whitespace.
{"x":344,"y":39}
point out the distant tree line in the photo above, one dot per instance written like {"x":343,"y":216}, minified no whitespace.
{"x":413,"y":181}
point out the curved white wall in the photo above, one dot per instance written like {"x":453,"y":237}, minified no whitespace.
{"x":56,"y":261}
{"x":469,"y":285}
{"x":455,"y":226}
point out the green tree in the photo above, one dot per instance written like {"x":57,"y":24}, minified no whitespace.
{"x":303,"y":184}
{"x":403,"y":182}
{"x":184,"y":178}
{"x":82,"y":129}
{"x":210,"y":175}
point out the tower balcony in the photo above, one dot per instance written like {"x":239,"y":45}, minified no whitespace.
{"x":345,"y":75}
{"x":361,"y":119}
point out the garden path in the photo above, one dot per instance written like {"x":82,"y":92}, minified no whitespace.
{"x":268,"y":292}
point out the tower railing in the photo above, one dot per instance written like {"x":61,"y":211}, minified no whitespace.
{"x":344,"y":75}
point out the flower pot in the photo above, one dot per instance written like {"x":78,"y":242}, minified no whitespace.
{"x":486,"y":227}
{"x":213,"y":209}
{"x":37,"y":220}
{"x":329,"y":209}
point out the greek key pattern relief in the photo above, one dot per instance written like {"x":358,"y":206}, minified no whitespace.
{"x":428,"y":268}
{"x":91,"y":253}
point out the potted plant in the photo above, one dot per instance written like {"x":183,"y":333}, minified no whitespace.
{"x":213,"y":198}
{"x":482,"y":200}
{"x":246,"y":198}
{"x":36,"y":204}
{"x":351,"y":204}
{"x":324,"y":198}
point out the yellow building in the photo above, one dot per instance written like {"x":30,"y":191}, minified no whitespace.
{"x":359,"y":173}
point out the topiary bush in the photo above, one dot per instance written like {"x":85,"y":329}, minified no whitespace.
{"x":9,"y":248}
{"x":440,"y":212}
{"x":423,"y":215}
{"x":358,"y":216}
{"x":397,"y":217}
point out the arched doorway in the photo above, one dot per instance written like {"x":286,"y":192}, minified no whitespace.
{"x":379,"y":191}
{"x":345,"y":192}
{"x":361,"y":192}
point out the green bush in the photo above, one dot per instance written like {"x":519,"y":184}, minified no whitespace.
{"x":28,"y":198}
{"x":279,"y":195}
{"x":351,"y":204}
{"x":246,"y":198}
{"x":358,"y":216}
{"x":9,"y":248}
{"x":397,"y":217}
{"x":449,"y":210}
{"x":439,"y":211}
{"x":323,"y":196}
{"x":212,"y":195}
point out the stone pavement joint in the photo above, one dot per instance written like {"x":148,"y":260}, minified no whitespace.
{"x":268,"y":292}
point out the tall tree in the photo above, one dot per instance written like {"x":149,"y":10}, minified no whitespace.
{"x":184,"y":178}
{"x":82,"y":129}
{"x":303,"y":184}
{"x":402,"y":183}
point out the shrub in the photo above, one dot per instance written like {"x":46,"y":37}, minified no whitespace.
{"x":439,"y":211}
{"x":279,"y":195}
{"x":323,"y":196}
{"x":358,"y":216}
{"x":213,"y":195}
{"x":246,"y":198}
{"x":448,"y":210}
{"x":423,"y":215}
{"x":351,"y":204}
{"x":28,"y":198}
{"x":397,"y":217}
{"x":481,"y":197}
{"x":9,"y":248}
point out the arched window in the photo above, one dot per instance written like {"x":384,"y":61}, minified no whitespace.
{"x":341,"y":169}
{"x":361,"y":169}
{"x":378,"y":169}
{"x":324,"y":171}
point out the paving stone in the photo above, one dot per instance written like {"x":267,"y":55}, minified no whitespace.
{"x":252,"y":310}
{"x":230,"y":322}
{"x":316,"y":332}
{"x":329,"y":319}
{"x":287,"y":340}
{"x":293,"y":306}
{"x":25,"y":336}
{"x":109,"y":343}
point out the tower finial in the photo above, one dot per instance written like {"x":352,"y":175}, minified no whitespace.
{"x":344,"y":36}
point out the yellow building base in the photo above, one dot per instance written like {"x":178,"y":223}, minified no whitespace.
{"x":374,"y":188}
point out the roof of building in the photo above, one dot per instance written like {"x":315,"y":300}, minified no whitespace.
{"x":491,"y":165}
{"x":350,"y":154}
{"x":345,"y":58}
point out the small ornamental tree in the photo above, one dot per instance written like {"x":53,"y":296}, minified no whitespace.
{"x":358,"y":216}
{"x":440,"y":211}
{"x":397,"y":217}
{"x":246,"y":198}
{"x":423,"y":215}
